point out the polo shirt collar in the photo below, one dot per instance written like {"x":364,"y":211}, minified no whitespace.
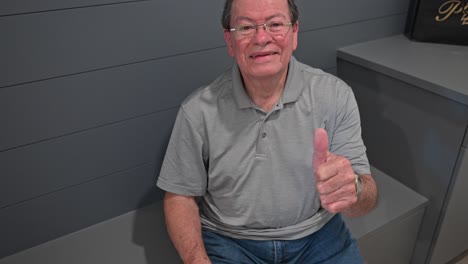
{"x":240,"y":95}
{"x":294,"y":83}
{"x":291,"y":92}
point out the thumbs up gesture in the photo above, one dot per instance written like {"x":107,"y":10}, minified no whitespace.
{"x":334,"y":176}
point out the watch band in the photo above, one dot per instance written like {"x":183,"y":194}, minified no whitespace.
{"x":358,"y":183}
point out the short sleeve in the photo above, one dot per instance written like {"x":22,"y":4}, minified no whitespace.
{"x":183,"y":170}
{"x":347,"y":140}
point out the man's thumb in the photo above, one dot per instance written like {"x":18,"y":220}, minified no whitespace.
{"x":320,"y":147}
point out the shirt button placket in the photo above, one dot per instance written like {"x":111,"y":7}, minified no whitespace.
{"x":261,"y":137}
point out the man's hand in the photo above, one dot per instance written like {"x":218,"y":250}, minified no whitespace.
{"x":334,"y":176}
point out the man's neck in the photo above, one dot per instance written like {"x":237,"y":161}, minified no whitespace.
{"x":265,"y":93}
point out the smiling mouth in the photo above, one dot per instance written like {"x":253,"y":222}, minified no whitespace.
{"x":261,"y":55}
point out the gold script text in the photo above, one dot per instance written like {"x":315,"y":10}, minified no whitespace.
{"x":451,"y":7}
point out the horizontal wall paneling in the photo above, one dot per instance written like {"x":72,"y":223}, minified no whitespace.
{"x":318,"y":48}
{"x":12,"y":7}
{"x":46,"y":45}
{"x":84,"y":39}
{"x":37,"y":111}
{"x":59,"y":163}
{"x":36,"y":221}
{"x":322,"y":14}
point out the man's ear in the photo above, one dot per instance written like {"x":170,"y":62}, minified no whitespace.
{"x":227,"y":38}
{"x":295,"y":29}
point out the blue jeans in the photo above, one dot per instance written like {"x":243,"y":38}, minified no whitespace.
{"x":332,"y":244}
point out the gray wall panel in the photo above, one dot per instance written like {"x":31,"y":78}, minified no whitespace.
{"x":59,"y":213}
{"x":42,"y":110}
{"x":318,"y":47}
{"x":55,"y":164}
{"x":134,"y":83}
{"x":105,"y":36}
{"x":322,"y":14}
{"x":45,"y":45}
{"x":316,"y":14}
{"x":11,"y":7}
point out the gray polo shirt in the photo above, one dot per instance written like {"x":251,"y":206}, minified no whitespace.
{"x":252,"y":169}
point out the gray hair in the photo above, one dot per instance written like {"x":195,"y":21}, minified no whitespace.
{"x":226,"y":19}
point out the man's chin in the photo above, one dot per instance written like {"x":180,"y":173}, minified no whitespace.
{"x":265,"y":74}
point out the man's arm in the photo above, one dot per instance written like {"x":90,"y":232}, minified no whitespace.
{"x":184,"y":228}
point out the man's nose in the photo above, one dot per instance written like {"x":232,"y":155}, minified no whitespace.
{"x":262,"y":36}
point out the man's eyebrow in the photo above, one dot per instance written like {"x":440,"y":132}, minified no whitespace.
{"x":275,"y":16}
{"x":240,"y":18}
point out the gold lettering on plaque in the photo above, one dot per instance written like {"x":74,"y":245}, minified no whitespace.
{"x":450,"y":7}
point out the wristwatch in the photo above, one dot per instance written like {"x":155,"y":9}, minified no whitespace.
{"x":358,"y":183}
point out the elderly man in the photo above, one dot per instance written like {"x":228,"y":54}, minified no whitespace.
{"x":262,"y":162}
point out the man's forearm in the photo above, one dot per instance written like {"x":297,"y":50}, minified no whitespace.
{"x":184,"y":228}
{"x":368,"y":199}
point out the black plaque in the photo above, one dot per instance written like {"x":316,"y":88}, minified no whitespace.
{"x":440,"y":21}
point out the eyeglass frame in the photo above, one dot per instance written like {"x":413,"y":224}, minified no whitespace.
{"x":256,"y":26}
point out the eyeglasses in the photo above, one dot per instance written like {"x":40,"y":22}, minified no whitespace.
{"x":274,"y":28}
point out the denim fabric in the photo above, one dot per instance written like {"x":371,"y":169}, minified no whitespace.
{"x":330,"y":245}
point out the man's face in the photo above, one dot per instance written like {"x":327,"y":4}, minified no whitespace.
{"x":261,"y":55}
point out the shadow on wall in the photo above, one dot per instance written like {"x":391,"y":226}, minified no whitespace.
{"x":149,"y":231}
{"x":388,"y":148}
